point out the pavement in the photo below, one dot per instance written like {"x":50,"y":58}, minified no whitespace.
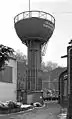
{"x":50,"y":111}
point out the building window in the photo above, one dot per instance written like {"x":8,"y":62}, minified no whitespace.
{"x":6,"y":75}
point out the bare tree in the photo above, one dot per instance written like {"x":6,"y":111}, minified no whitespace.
{"x":20,"y":56}
{"x":5,"y":53}
{"x":51,"y":65}
{"x":48,"y":66}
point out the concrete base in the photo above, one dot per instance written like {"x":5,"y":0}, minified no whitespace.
{"x":35,"y":96}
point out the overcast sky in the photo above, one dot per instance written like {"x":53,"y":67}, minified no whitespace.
{"x":57,"y":45}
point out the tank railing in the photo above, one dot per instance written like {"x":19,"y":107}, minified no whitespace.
{"x":43,"y":15}
{"x":27,"y":15}
{"x":38,"y":14}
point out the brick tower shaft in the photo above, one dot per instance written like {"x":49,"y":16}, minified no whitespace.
{"x":34,"y":64}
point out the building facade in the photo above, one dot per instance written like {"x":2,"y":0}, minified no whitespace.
{"x":8,"y":81}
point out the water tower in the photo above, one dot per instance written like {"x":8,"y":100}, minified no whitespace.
{"x":34,"y":28}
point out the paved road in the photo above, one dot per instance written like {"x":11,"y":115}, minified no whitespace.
{"x":49,"y":112}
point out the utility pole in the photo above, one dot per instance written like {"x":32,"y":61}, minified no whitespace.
{"x":69,"y":66}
